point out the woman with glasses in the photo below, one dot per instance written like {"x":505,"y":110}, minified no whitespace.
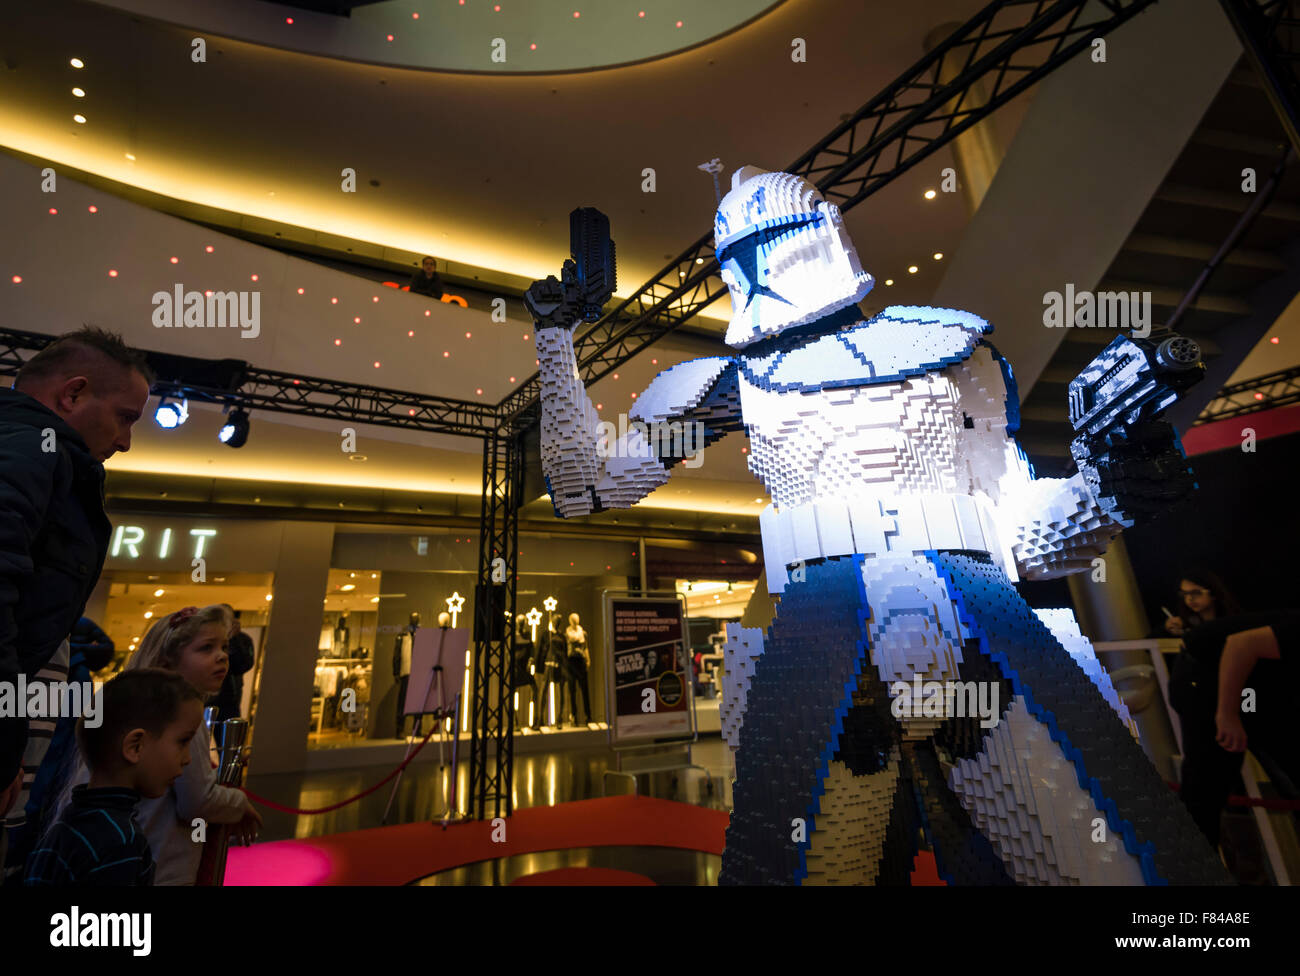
{"x":1202,"y":597}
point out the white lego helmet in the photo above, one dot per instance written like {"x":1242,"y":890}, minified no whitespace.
{"x":786,"y":256}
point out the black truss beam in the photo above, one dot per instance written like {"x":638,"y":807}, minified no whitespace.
{"x":1270,"y":32}
{"x":1007,"y":46}
{"x":265,"y":389}
{"x":491,"y":777}
{"x":1279,"y":389}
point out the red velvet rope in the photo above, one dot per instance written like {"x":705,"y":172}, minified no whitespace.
{"x":342,"y":803}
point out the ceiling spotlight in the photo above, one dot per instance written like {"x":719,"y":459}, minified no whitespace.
{"x":912,"y":270}
{"x":930,"y":194}
{"x":158,"y":592}
{"x":79,"y":119}
{"x":79,"y":93}
{"x":171,"y":413}
{"x":77,"y":63}
{"x":889,"y":281}
{"x":234,"y":432}
{"x":938,"y":255}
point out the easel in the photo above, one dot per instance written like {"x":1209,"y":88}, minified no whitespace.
{"x":435,"y":687}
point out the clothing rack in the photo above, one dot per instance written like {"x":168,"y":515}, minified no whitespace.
{"x":331,"y":661}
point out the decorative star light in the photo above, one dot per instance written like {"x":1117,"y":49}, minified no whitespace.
{"x":455,"y":603}
{"x":534,"y":617}
{"x":550,"y":603}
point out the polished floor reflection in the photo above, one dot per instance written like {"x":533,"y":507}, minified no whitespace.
{"x":540,"y":779}
{"x":662,"y":865}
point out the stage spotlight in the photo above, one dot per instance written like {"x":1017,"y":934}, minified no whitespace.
{"x":235,"y":430}
{"x":171,"y":413}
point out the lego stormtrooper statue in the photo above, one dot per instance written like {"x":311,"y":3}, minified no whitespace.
{"x":906,"y":707}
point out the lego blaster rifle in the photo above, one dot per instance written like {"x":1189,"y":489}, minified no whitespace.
{"x":1129,"y":459}
{"x":587,"y":279}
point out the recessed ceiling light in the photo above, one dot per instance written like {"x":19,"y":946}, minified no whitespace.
{"x":131,"y":156}
{"x":77,"y":63}
{"x":348,"y":587}
{"x":159,"y":592}
{"x":79,"y":93}
{"x":912,"y":269}
{"x":938,"y":255}
{"x":930,"y":194}
{"x":79,"y":119}
{"x":889,"y":281}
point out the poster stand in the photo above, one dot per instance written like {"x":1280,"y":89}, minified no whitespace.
{"x":660,"y":607}
{"x":439,"y":653}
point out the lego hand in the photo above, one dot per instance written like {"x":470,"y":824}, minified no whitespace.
{"x":1140,"y":477}
{"x":553,"y":302}
{"x":1231,"y":735}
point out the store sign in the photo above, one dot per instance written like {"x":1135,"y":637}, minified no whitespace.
{"x":650,"y":671}
{"x":129,"y":541}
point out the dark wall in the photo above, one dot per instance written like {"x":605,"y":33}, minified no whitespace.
{"x":1241,"y":523}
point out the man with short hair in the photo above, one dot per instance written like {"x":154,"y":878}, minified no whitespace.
{"x":426,"y":280}
{"x":71,"y":408}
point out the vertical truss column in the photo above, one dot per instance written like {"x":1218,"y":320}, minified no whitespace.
{"x":491,"y":777}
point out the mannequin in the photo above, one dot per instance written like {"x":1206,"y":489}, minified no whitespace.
{"x":402,"y":671}
{"x":575,"y":639}
{"x":522,"y":673}
{"x":342,"y":636}
{"x":550,"y":674}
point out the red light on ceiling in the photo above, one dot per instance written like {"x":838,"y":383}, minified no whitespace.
{"x":390,"y":37}
{"x":288,"y":20}
{"x":410,"y":334}
{"x":497,"y":8}
{"x":376,"y":364}
{"x":615,"y":376}
{"x":53,"y":210}
{"x":600,"y":406}
{"x":374,"y":298}
{"x":525,"y":337}
{"x":512,"y":379}
{"x":479,"y":391}
{"x":411,"y":412}
{"x":654,"y":362}
{"x":575,"y":13}
{"x":175,"y":260}
{"x":334,"y":301}
{"x":356,"y":319}
{"x":208,"y":293}
{"x":296,"y":382}
{"x":208,"y":249}
{"x":389,"y":284}
{"x":640,"y":13}
{"x":427,"y":313}
{"x":445,"y":354}
{"x":18,"y":279}
{"x":679,"y":23}
{"x":1259,"y":396}
{"x":532,"y":47}
{"x":466,"y":335}
{"x":1275,"y":340}
{"x":300,"y":291}
{"x":633,"y":396}
{"x":338,"y":342}
{"x":93,"y":209}
{"x":253,"y":277}
{"x":112,"y":272}
{"x":415,"y":16}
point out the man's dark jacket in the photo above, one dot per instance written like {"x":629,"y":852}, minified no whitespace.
{"x":53,"y":540}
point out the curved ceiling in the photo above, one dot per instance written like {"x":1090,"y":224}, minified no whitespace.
{"x":478,"y":169}
{"x":506,"y":37}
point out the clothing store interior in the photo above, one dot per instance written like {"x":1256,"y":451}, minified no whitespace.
{"x":755,"y":442}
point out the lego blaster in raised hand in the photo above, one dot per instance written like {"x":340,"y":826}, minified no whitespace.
{"x":1131,"y":460}
{"x":587,"y":278}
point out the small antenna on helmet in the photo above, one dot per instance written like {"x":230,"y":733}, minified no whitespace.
{"x":713,"y":166}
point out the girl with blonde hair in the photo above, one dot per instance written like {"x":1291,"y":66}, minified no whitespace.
{"x":192,"y":643}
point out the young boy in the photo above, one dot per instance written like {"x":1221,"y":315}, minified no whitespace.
{"x":148,"y":717}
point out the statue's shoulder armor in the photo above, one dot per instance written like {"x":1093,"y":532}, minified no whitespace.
{"x":901,"y":341}
{"x":686,"y":388}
